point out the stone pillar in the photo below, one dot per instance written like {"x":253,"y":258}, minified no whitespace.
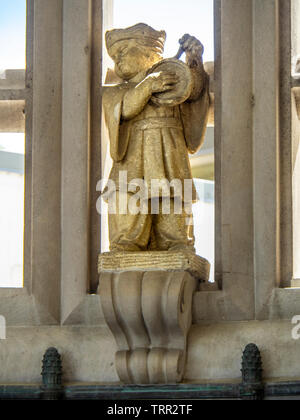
{"x":147,"y":307}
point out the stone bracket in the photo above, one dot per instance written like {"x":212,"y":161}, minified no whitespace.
{"x":149,"y":314}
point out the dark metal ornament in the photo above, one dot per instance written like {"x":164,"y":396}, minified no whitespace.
{"x":252,"y":386}
{"x":52,"y":375}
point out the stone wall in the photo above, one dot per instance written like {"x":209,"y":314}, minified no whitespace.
{"x":251,"y":300}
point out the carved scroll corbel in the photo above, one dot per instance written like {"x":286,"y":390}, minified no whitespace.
{"x":149,"y":314}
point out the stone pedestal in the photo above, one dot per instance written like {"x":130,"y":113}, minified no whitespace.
{"x":148,"y":310}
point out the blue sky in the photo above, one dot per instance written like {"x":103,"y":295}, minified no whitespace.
{"x":12,"y":33}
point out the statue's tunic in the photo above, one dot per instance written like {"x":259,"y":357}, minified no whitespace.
{"x":154,"y":144}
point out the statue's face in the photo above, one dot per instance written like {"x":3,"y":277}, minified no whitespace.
{"x":131,"y":59}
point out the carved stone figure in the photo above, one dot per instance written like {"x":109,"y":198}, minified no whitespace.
{"x":155,"y":116}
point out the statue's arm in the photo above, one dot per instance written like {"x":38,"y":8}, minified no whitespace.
{"x":136,"y":98}
{"x":194,"y":51}
{"x":194,"y":112}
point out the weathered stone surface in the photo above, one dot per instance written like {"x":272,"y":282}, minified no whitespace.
{"x":149,"y":314}
{"x":214,"y":352}
{"x":197,"y":266}
{"x":180,"y":93}
{"x":12,"y":116}
{"x":13,"y":79}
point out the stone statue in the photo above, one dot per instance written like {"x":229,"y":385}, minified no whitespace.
{"x":155,"y":116}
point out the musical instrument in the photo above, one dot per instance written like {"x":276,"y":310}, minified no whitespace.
{"x":183,"y":88}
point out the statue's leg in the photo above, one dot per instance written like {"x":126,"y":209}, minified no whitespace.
{"x":174,"y":231}
{"x":128,"y":232}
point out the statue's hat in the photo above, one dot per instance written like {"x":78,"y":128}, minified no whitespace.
{"x":141,"y":32}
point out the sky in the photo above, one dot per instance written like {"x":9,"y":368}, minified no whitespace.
{"x":12,"y":34}
{"x":12,"y":142}
{"x":176,"y":17}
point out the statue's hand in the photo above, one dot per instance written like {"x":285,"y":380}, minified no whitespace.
{"x":193,"y":49}
{"x":161,"y":81}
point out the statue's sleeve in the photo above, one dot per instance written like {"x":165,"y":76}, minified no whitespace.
{"x":119,"y":131}
{"x":194,"y":115}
